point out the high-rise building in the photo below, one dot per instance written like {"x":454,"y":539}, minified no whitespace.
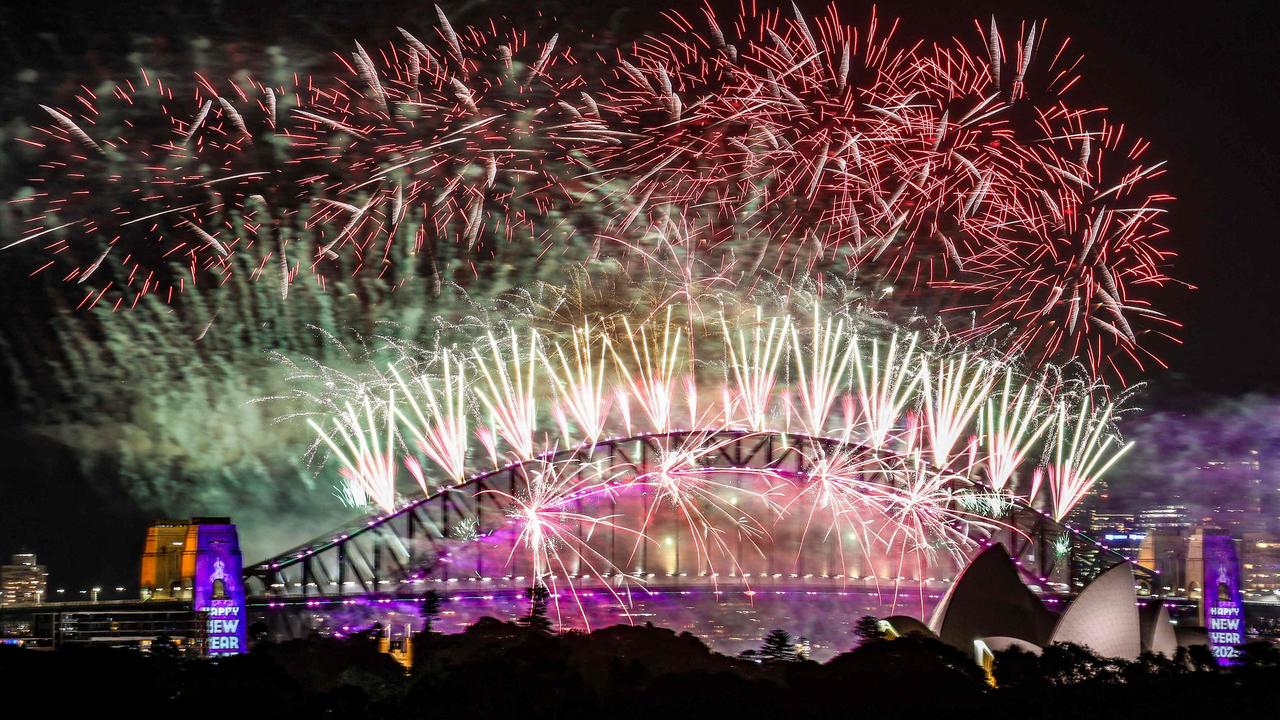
{"x":1260,"y":563}
{"x":1230,"y":490}
{"x":1118,"y":531}
{"x":1102,"y":521}
{"x":22,"y":581}
{"x":1164,"y":518}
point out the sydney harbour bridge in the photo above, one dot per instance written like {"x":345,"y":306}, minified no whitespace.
{"x":771,"y":545}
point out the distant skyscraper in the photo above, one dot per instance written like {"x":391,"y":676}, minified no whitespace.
{"x":1118,"y":531}
{"x":1164,"y":518}
{"x":1102,"y":520}
{"x":1231,"y":489}
{"x":1269,"y":489}
{"x":1260,"y":562}
{"x":22,"y":581}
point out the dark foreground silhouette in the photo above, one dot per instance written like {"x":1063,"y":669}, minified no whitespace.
{"x":520,"y":670}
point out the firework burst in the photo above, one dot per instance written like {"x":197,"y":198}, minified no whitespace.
{"x":960,"y":176}
{"x":890,"y":485}
{"x":555,"y":538}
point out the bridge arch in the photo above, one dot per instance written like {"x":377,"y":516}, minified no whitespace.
{"x":622,"y":530}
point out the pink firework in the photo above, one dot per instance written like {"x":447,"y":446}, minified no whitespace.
{"x":162,"y":184}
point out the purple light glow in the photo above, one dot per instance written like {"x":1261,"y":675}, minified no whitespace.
{"x":1223,"y":609}
{"x":218,"y":590}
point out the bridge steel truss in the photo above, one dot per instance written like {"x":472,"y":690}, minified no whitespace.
{"x":427,"y":540}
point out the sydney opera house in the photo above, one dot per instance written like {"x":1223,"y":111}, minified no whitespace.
{"x":989,"y":609}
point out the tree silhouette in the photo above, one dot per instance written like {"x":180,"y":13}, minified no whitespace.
{"x":1202,"y":658}
{"x":537,"y":620}
{"x":868,"y":629}
{"x":1259,"y":654}
{"x":430,"y":610}
{"x":778,"y":647}
{"x":1065,"y":663}
{"x":259,"y":632}
{"x":1015,"y":666}
{"x":163,"y":646}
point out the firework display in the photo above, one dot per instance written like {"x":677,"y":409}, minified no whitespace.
{"x":918,"y":448}
{"x":762,"y":141}
{"x":907,"y":265}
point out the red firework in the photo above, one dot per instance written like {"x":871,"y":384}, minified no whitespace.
{"x":480,"y":132}
{"x":960,"y":174}
{"x":959,"y":170}
{"x":173,"y":178}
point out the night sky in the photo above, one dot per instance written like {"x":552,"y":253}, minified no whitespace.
{"x":1200,"y":83}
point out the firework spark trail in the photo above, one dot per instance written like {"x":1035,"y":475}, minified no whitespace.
{"x":149,"y":190}
{"x":794,"y":144}
{"x":1083,"y":453}
{"x":889,"y":512}
{"x":847,"y":488}
{"x":709,"y":506}
{"x":1014,"y":188}
{"x":508,"y":394}
{"x":806,"y":126}
{"x":653,"y":374}
{"x":441,"y":432}
{"x":753,"y":362}
{"x":1011,"y":425}
{"x":952,"y":394}
{"x":482,"y":149}
{"x":821,"y":380}
{"x":917,"y":518}
{"x":579,"y":378}
{"x":921,"y":507}
{"x":884,"y":389}
{"x":368,"y":461}
{"x":923,"y":513}
{"x":956,"y":395}
{"x":1070,"y":282}
{"x":773,"y":146}
{"x":70,"y":126}
{"x":557,"y":538}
